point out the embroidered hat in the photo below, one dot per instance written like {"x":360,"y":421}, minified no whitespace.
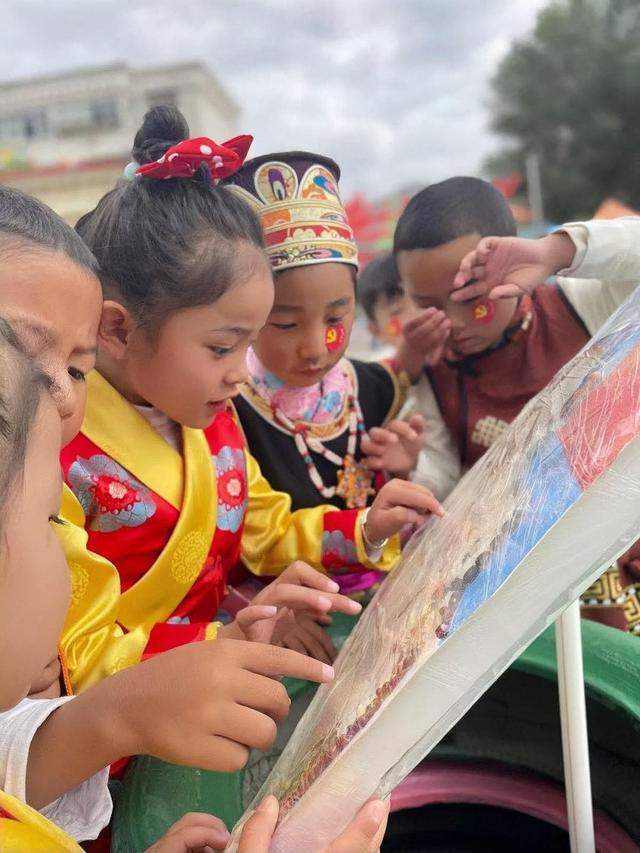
{"x":295,"y":194}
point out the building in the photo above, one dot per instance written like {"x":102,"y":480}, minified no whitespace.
{"x":66,"y":137}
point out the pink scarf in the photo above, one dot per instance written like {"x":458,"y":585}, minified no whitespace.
{"x":317,"y":404}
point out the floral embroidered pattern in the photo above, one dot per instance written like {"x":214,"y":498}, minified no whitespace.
{"x":337,"y":550}
{"x":231,"y":474}
{"x":110,"y":497}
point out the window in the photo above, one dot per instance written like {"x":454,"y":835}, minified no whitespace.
{"x":104,"y":113}
{"x":28,"y":125}
{"x":79,"y":117}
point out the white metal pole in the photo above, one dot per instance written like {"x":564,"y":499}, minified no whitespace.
{"x":575,"y":743}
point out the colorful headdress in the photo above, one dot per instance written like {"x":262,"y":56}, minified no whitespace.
{"x":295,"y":194}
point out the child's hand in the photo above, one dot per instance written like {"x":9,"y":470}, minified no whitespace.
{"x":204,"y":704}
{"x":274,"y":610}
{"x":424,"y":340}
{"x":395,"y":448}
{"x":304,"y":635}
{"x":363,"y":835}
{"x":193,"y":833}
{"x":399,"y":503}
{"x":510,"y":266}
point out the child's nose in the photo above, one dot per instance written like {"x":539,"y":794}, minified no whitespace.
{"x":458,"y":315}
{"x":63,"y":395}
{"x":313,"y":346}
{"x":238,"y":373}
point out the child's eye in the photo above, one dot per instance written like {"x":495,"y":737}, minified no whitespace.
{"x":284,"y":326}
{"x":56,"y":519}
{"x":331,"y":321}
{"x":76,"y":374}
{"x":220,"y":352}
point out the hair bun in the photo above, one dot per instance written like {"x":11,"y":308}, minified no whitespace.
{"x":161,"y":128}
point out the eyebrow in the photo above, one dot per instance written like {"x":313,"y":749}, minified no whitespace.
{"x":45,"y":335}
{"x":235,"y":330}
{"x":336,"y":303}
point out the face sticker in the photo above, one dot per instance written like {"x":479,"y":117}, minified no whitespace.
{"x":483,"y":312}
{"x":394,"y":328}
{"x":334,"y":338}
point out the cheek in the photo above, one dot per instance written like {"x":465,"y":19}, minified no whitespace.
{"x":272,"y":345}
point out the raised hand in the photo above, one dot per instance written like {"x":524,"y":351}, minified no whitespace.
{"x":395,"y":448}
{"x":424,"y":341}
{"x":510,"y":266}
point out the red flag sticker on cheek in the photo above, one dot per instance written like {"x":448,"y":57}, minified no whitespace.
{"x":394,"y":327}
{"x":483,"y":312}
{"x":334,"y":338}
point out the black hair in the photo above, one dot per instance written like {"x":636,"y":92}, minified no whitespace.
{"x":379,"y":278}
{"x":21,"y":386}
{"x":24,"y":219}
{"x":451,"y":209}
{"x":167,"y":244}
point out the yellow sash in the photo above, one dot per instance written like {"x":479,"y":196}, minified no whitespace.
{"x":120,"y":431}
{"x":30,"y":831}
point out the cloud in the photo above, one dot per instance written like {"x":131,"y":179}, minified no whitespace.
{"x":396,"y":92}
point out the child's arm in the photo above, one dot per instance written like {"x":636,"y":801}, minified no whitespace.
{"x":438,"y":466}
{"x":324,"y":536}
{"x":606,"y":254}
{"x":202,"y":705}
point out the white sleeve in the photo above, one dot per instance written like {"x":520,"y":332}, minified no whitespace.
{"x":606,"y":267}
{"x":82,"y":812}
{"x":438,"y":467}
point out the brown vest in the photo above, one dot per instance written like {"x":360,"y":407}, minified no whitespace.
{"x":480,"y":394}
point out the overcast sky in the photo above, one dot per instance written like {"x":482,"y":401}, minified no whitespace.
{"x":395,"y":90}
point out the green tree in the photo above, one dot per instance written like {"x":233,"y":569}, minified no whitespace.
{"x":571,"y":93}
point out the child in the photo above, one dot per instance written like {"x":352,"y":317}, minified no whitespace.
{"x":385,"y":302}
{"x":187,"y":288}
{"x":487,"y":357}
{"x":306,"y":408}
{"x":51,"y":749}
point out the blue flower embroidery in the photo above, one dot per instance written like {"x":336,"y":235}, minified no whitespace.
{"x":110,"y":497}
{"x":338,"y":549}
{"x":231,"y":476}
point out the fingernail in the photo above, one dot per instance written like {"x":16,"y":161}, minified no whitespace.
{"x":354,"y":606}
{"x":328,"y":672}
{"x":324,"y":603}
{"x":332,"y":586}
{"x":378,"y":810}
{"x":267,"y":804}
{"x":269,"y":609}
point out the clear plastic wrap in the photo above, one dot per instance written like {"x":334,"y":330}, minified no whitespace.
{"x":550,"y":505}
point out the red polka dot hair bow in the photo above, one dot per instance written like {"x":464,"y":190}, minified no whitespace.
{"x":184,"y":159}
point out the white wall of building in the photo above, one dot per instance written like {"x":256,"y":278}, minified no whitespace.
{"x":93,"y":114}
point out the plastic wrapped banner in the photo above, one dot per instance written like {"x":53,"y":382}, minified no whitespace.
{"x":553,"y":502}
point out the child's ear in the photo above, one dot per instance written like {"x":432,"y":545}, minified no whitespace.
{"x":116,"y":326}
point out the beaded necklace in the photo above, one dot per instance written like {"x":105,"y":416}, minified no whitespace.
{"x":354,"y":479}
